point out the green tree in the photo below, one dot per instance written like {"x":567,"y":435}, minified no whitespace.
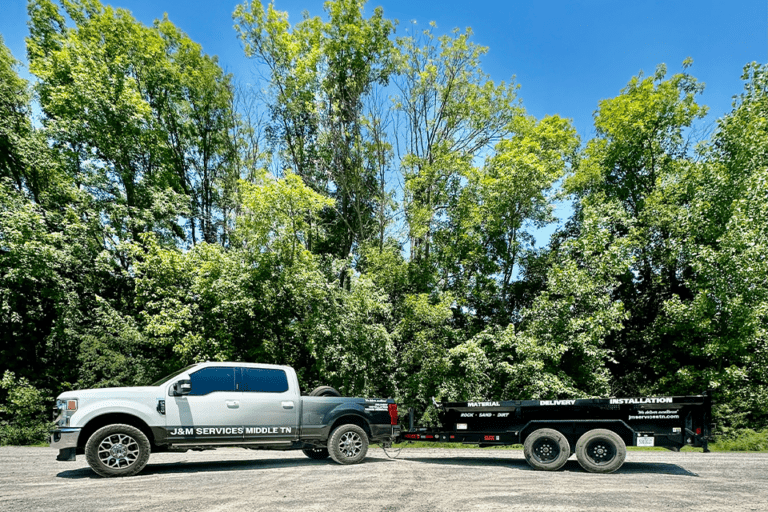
{"x":142,"y":115}
{"x":15,"y":123}
{"x":194,"y":106}
{"x":722,"y":319}
{"x":267,"y":298}
{"x":67,"y":315}
{"x":452,"y":111}
{"x":47,"y":253}
{"x":23,"y":412}
{"x":488,"y":231}
{"x":630,"y":176}
{"x":424,"y":335}
{"x":321,"y":76}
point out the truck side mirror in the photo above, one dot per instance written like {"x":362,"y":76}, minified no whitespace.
{"x":182,"y":387}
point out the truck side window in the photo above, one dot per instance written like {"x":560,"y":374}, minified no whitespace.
{"x":209,"y":380}
{"x":264,"y":380}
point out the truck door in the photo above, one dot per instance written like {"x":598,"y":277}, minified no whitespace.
{"x":270,"y":409}
{"x":212,"y":411}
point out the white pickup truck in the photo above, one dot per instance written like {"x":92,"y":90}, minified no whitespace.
{"x":209,"y":405}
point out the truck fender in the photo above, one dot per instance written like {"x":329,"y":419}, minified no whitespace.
{"x":353,"y":410}
{"x":138,"y":415}
{"x":145,"y":413}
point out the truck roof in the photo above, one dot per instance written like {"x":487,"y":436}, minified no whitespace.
{"x":237,"y":363}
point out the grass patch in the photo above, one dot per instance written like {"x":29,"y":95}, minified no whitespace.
{"x":742,"y":440}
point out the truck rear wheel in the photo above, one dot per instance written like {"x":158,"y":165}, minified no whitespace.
{"x":316,"y":453}
{"x":601,"y":451}
{"x":546,"y":449}
{"x":117,"y":450}
{"x":348,"y":444}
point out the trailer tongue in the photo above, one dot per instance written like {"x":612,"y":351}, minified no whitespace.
{"x":596,"y":430}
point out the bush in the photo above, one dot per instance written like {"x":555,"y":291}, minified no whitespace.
{"x":742,"y":440}
{"x":23,"y":413}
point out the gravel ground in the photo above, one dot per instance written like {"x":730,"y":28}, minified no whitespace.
{"x":237,"y":480}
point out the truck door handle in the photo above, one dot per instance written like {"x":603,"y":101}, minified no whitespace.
{"x":287,"y":405}
{"x":233,"y":404}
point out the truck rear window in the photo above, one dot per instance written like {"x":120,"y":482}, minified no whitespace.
{"x":264,"y":380}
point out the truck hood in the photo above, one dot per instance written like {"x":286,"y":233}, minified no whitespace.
{"x":112,"y":393}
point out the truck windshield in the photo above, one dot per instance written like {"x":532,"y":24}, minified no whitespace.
{"x":174,"y":374}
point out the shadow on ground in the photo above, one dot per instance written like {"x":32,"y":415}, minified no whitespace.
{"x":628,"y":468}
{"x":213,"y":466}
{"x":182,"y":467}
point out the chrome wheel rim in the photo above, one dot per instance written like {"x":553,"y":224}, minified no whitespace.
{"x":350,"y":444}
{"x":118,"y":451}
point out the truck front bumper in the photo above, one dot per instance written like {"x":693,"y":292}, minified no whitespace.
{"x":65,"y":439}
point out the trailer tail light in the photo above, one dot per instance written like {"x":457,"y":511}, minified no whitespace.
{"x":392,"y":414}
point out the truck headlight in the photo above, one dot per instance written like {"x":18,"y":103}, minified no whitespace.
{"x":66,"y":408}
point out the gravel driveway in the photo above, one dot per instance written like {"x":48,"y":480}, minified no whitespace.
{"x":237,"y":480}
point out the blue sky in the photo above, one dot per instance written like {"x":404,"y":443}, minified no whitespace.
{"x":566,"y":55}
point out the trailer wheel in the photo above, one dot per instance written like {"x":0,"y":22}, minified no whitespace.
{"x":546,"y":449}
{"x":348,"y":444}
{"x":117,"y":450}
{"x":601,"y":451}
{"x":324,"y":391}
{"x":316,"y":453}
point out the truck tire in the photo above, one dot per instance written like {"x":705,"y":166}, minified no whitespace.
{"x":348,"y":444}
{"x":601,"y":451}
{"x":316,"y":453}
{"x":117,"y":450}
{"x":324,"y":391}
{"x":546,"y":449}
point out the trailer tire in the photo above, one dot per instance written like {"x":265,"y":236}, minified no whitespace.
{"x":546,"y":449}
{"x":117,"y":450}
{"x":348,"y":444}
{"x":601,"y":451}
{"x":316,"y":453}
{"x":324,"y":391}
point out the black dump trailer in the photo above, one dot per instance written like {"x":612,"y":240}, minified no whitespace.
{"x":597,"y":430}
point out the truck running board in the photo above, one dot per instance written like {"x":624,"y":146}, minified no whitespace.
{"x":228,"y":443}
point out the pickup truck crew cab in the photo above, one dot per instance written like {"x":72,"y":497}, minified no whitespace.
{"x":208,"y":405}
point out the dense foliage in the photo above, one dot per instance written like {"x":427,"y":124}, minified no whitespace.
{"x":368,"y":217}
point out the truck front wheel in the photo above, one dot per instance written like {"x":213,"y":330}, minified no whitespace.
{"x":546,"y":449}
{"x":601,"y":451}
{"x":348,"y":444}
{"x":117,"y":450}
